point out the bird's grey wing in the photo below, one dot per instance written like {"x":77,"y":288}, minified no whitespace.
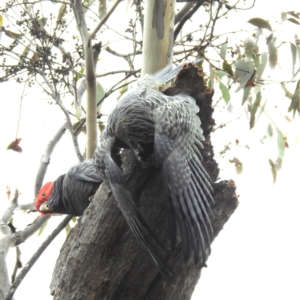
{"x":167,"y":73}
{"x":178,"y":137}
{"x":85,"y":171}
{"x":138,"y":225}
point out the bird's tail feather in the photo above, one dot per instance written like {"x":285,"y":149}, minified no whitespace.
{"x":134,"y":218}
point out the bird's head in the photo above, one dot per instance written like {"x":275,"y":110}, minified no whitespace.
{"x":41,"y":203}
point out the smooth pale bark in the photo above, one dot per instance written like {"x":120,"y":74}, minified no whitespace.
{"x":158,"y":35}
{"x":90,"y":76}
{"x":45,"y":161}
{"x":101,"y":259}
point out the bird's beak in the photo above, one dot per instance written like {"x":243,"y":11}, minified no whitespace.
{"x":45,"y":207}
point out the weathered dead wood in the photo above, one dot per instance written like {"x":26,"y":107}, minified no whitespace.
{"x":102,"y":260}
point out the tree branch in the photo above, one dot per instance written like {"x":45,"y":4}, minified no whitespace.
{"x":56,"y":97}
{"x":46,"y":158}
{"x":185,"y":9}
{"x":91,"y":115}
{"x":10,"y":210}
{"x":35,"y":257}
{"x":158,"y":35}
{"x":187,"y":16}
{"x":103,"y":21}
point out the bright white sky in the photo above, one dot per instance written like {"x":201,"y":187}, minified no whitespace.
{"x":256,"y":256}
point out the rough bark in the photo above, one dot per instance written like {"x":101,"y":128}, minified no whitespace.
{"x":102,"y":260}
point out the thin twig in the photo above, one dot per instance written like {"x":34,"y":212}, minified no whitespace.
{"x":133,"y":72}
{"x":111,"y":51}
{"x":103,"y":21}
{"x":187,"y":16}
{"x":56,"y":97}
{"x":185,"y":9}
{"x":46,"y":158}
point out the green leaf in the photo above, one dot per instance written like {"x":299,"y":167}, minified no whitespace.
{"x":292,"y":20}
{"x":262,"y":110}
{"x":81,"y":71}
{"x":280,"y":144}
{"x":227,"y":68}
{"x":273,"y":54}
{"x":12,"y":35}
{"x":278,"y":163}
{"x":238,"y":165}
{"x":101,"y":126}
{"x":262,"y":66}
{"x":295,"y":103}
{"x":294,"y":56}
{"x":243,"y":72}
{"x":209,"y":83}
{"x":261,"y":23}
{"x":224,"y":91}
{"x":283,"y":16}
{"x":122,"y":91}
{"x":247,"y":90}
{"x":100,"y":92}
{"x":102,"y":9}
{"x":61,"y":12}
{"x":1,"y":20}
{"x":254,"y":109}
{"x":270,"y":131}
{"x":42,"y":22}
{"x":293,"y":14}
{"x":42,"y":228}
{"x":288,"y":94}
{"x":251,"y":47}
{"x":26,"y":50}
{"x":273,"y":170}
{"x":223,"y":50}
{"x":68,"y":229}
{"x":221,"y":73}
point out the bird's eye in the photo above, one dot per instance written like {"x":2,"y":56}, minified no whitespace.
{"x":44,"y":194}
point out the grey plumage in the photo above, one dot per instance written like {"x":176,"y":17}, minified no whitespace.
{"x":164,"y":131}
{"x":71,"y":191}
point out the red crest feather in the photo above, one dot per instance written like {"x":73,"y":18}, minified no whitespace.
{"x":43,"y":194}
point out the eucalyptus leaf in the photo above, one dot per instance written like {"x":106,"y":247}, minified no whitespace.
{"x":294,"y":56}
{"x":247,"y":90}
{"x":280,"y":144}
{"x":100,"y":92}
{"x":273,"y":53}
{"x":262,"y":66}
{"x":254,"y":109}
{"x":273,"y":170}
{"x":295,"y":103}
{"x":258,"y":22}
{"x":42,"y":228}
{"x":243,"y":72}
{"x":224,"y":91}
{"x":223,"y":50}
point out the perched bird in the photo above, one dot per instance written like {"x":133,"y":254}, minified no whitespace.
{"x":69,"y":193}
{"x":163,"y":131}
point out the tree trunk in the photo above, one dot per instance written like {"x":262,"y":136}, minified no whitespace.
{"x":158,"y":35}
{"x":101,"y":258}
